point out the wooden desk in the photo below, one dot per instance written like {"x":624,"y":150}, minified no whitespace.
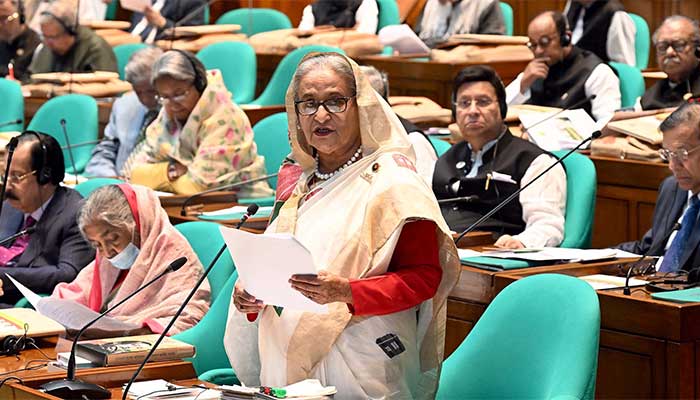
{"x":254,"y":224}
{"x":648,"y":348}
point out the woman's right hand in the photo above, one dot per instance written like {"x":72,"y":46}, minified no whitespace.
{"x":244,"y":301}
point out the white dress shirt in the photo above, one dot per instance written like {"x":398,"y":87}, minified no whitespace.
{"x":37,"y":214}
{"x":602,"y":82}
{"x":366,"y":17}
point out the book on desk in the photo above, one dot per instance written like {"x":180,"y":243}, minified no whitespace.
{"x":132,"y":350}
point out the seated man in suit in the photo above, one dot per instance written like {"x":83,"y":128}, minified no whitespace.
{"x":161,"y":15}
{"x":676,"y":41}
{"x":675,"y":233}
{"x":69,"y":47}
{"x":17,"y":41}
{"x":604,"y":28}
{"x":56,"y":251}
{"x":131,"y":115}
{"x":492,"y":164}
{"x":562,"y":75}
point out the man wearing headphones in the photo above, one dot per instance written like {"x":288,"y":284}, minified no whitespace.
{"x":55,"y":252}
{"x":491,"y":164}
{"x":561,"y":74}
{"x":677,"y":44}
{"x":68,"y":47}
{"x":17,"y":41}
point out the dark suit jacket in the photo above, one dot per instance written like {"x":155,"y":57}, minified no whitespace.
{"x":669,"y":206}
{"x":176,"y":13}
{"x":56,"y":250}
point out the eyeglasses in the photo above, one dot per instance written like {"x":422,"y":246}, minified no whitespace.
{"x":680,"y":155}
{"x":480,"y":102}
{"x":333,"y":105}
{"x":14,"y":178}
{"x":543,"y":42}
{"x":177,"y":98}
{"x":678,"y":46}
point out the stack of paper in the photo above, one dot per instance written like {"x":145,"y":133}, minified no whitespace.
{"x":560,"y":130}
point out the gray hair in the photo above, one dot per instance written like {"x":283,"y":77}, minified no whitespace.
{"x":173,"y":64}
{"x":328,"y":60}
{"x":61,"y":12}
{"x":377,"y":79}
{"x":107,"y":205}
{"x":687,"y":113}
{"x":140,"y":65}
{"x":679,"y":18}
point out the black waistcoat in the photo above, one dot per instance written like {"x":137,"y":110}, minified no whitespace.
{"x":566,"y":80}
{"x":339,"y":13}
{"x":513,"y":157}
{"x":596,"y":23}
{"x":660,"y":95}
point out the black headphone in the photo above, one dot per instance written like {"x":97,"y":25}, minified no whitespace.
{"x":44,"y":173}
{"x":697,"y":49}
{"x":13,"y":345}
{"x":71,"y":30}
{"x":562,"y":25}
{"x":200,"y":80}
{"x":20,"y":12}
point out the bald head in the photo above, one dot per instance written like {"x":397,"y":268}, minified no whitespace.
{"x":545,"y":32}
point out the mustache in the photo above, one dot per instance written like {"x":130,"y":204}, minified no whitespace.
{"x":673,"y":59}
{"x":11,"y":195}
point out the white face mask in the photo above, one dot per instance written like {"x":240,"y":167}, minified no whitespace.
{"x":125,"y":259}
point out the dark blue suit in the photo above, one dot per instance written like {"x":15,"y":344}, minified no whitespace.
{"x":174,"y":12}
{"x":56,"y":251}
{"x":670,"y":204}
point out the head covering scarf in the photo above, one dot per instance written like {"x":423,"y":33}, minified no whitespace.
{"x":160,"y":244}
{"x":350,"y":242}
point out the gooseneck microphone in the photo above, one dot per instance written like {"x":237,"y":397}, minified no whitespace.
{"x":81,"y":144}
{"x":463,"y":199}
{"x":70,"y":148}
{"x":232,"y":186}
{"x":515,"y":194}
{"x":71,"y":388}
{"x":252,"y":209}
{"x":627,"y":290}
{"x":571,"y":107}
{"x":23,"y":232}
{"x":10,"y":152}
{"x":8,"y":123}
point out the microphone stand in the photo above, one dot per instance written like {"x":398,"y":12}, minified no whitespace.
{"x":70,"y":149}
{"x":71,"y":388}
{"x":10,"y":238}
{"x":10,"y":152}
{"x":466,"y":199}
{"x":252,"y":209}
{"x":224,"y":187}
{"x":510,"y":198}
{"x":8,"y":123}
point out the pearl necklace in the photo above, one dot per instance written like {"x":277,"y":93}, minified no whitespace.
{"x":348,"y":163}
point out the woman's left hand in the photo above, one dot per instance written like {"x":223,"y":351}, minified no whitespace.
{"x":176,"y":170}
{"x":323,"y":288}
{"x":509,"y":242}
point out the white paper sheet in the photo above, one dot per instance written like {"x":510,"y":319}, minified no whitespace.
{"x":402,"y":39}
{"x":564,"y":131}
{"x":134,"y":5}
{"x":600,"y":281}
{"x":555,"y":254}
{"x":32,"y":297}
{"x":266,"y":262}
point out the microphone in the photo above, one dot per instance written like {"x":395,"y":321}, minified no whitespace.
{"x":70,"y":151}
{"x":71,"y":388}
{"x":466,"y":199}
{"x":515,"y":194}
{"x":252,"y":209}
{"x":11,"y":146}
{"x":220,"y":188}
{"x":573,"y":106}
{"x":626,"y":290}
{"x":81,"y":144}
{"x":8,"y":123}
{"x":23,"y":232}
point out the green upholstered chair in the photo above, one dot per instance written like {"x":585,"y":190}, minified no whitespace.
{"x":80,"y":113}
{"x":440,"y":146}
{"x":631,"y":82}
{"x":239,"y":76}
{"x":111,"y":11}
{"x":123,"y":52}
{"x":642,"y":41}
{"x":580,"y":200}
{"x":276,"y":89}
{"x":210,"y":361}
{"x":206,"y":240}
{"x":13,"y":105}
{"x":256,"y":20}
{"x":90,"y":185}
{"x":388,"y":13}
{"x":507,"y":12}
{"x":538,"y":339}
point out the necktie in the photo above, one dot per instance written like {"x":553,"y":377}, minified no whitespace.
{"x":672,"y":258}
{"x":17,"y":248}
{"x":147,"y":119}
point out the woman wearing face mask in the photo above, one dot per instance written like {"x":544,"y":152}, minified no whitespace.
{"x":135,"y":242}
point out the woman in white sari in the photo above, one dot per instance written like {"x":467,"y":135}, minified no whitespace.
{"x":375,"y":229}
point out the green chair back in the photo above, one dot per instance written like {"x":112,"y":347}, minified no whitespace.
{"x":276,"y":89}
{"x":207,"y":15}
{"x":80,"y":113}
{"x":631,"y":82}
{"x":239,"y":77}
{"x":642,"y":41}
{"x":208,"y":335}
{"x":256,"y":20}
{"x":90,"y":185}
{"x":388,"y":13}
{"x":111,"y":12}
{"x":123,"y":52}
{"x":507,"y":12}
{"x":538,"y":339}
{"x":580,"y":200}
{"x":13,"y":105}
{"x":440,"y":146}
{"x":272,"y":141}
{"x":206,"y":240}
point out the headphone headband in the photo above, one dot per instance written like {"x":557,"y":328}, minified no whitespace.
{"x":44,"y":173}
{"x":200,"y":82}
